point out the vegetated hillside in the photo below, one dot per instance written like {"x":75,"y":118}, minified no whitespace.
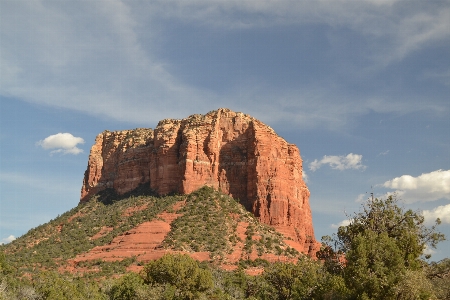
{"x":100,"y":242}
{"x":103,"y":237}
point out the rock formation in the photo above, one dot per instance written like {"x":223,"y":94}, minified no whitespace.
{"x":230,"y":151}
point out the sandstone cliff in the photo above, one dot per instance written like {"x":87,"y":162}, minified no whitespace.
{"x":230,"y":151}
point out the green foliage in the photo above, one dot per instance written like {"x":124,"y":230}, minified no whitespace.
{"x":208,"y":223}
{"x":294,"y":281}
{"x":205,"y":223}
{"x":439,"y":275}
{"x":4,"y":266}
{"x":379,"y":253}
{"x":180,"y":277}
{"x":231,"y":284}
{"x":49,"y":246}
{"x":374,"y":264}
{"x":128,"y":287}
{"x":105,"y":268}
{"x":283,"y":278}
{"x":414,"y":285}
{"x":253,"y":263}
{"x":181,"y":272}
{"x":54,"y":286}
{"x":405,"y":228}
{"x":378,"y":256}
{"x":331,"y":287}
{"x":307,"y":279}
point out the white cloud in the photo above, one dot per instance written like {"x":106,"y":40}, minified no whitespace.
{"x":426,"y":187}
{"x":98,"y":65}
{"x":442,"y":212}
{"x":392,"y":28}
{"x":64,"y":143}
{"x":383,"y":153}
{"x":305,"y":177}
{"x":351,"y":161}
{"x":428,"y":250}
{"x":414,"y":31}
{"x":342,"y":223}
{"x":7,"y":240}
{"x":102,"y":58}
{"x":361,"y":198}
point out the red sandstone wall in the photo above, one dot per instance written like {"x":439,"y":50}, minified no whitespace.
{"x":118,"y":160}
{"x":230,"y":151}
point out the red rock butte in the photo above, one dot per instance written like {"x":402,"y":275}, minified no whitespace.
{"x":230,"y":151}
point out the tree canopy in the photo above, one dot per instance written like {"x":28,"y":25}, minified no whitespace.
{"x":380,"y":250}
{"x":182,"y":273}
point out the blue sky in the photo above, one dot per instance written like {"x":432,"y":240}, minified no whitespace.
{"x":361,"y":87}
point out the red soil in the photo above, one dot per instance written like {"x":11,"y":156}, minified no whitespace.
{"x":145,"y":243}
{"x":131,"y":210}
{"x":78,"y":214}
{"x":237,"y":254}
{"x":103,"y":231}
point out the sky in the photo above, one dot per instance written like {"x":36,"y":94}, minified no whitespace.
{"x":361,"y":87}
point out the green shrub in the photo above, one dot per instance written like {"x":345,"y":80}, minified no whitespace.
{"x":128,"y":287}
{"x":181,"y":272}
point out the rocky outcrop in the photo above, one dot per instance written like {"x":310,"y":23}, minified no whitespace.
{"x":118,"y":160}
{"x":230,"y":151}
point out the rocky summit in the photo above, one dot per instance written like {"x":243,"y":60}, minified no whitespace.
{"x":229,"y":151}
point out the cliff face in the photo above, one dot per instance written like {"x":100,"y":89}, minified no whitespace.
{"x":229,"y":151}
{"x":118,"y":160}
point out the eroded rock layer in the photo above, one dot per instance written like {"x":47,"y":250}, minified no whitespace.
{"x":230,"y":151}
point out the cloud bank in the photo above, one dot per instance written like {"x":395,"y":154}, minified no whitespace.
{"x":441,"y":212}
{"x":104,"y":58}
{"x":351,"y":161}
{"x":7,"y":240}
{"x":64,"y":143}
{"x":426,"y":187}
{"x":342,"y":223}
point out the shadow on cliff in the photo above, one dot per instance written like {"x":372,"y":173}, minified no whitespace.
{"x":109,"y":196}
{"x":234,"y":160}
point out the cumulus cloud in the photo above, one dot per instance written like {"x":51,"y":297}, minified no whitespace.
{"x":361,"y":197}
{"x":442,"y":212}
{"x":64,"y":143}
{"x":426,"y":187}
{"x":305,"y":177}
{"x":7,"y":240}
{"x":351,"y":161}
{"x":342,"y":223}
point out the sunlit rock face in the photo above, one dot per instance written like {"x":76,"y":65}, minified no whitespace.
{"x":230,"y":151}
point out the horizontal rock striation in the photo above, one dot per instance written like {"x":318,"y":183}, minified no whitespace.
{"x":230,"y":151}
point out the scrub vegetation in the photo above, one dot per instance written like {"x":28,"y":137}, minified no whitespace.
{"x":209,"y":221}
{"x":379,"y":255}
